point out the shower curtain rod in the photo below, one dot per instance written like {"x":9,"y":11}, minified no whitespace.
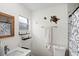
{"x":73,"y":12}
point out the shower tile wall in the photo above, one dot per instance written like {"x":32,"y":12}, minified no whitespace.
{"x":74,"y":34}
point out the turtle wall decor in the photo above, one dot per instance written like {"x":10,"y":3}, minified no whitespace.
{"x":54,"y":19}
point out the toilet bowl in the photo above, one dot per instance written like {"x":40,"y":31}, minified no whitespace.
{"x":58,"y":50}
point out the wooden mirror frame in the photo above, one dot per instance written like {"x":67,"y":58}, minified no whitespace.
{"x":12,"y":24}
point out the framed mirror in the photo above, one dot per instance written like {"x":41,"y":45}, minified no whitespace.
{"x":23,"y":25}
{"x":6,"y":25}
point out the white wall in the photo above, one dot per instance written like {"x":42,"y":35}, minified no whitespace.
{"x":15,"y":10}
{"x":60,"y":35}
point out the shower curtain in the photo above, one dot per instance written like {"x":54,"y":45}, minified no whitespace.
{"x":74,"y":34}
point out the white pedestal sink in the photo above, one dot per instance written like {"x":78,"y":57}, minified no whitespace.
{"x":19,"y":52}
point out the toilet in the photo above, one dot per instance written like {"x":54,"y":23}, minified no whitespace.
{"x":58,"y":50}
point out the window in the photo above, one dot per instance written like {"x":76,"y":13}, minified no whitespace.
{"x":6,"y":25}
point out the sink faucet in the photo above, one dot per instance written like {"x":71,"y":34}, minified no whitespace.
{"x":6,"y":49}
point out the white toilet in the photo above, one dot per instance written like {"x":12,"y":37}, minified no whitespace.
{"x":58,"y":50}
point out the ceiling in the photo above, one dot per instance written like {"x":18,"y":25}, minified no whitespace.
{"x":37,"y":6}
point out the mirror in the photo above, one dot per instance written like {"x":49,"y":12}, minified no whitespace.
{"x":23,"y":25}
{"x":6,"y":25}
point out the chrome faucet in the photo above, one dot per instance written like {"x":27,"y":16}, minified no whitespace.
{"x":6,"y":49}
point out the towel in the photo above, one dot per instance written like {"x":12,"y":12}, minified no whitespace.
{"x":48,"y":35}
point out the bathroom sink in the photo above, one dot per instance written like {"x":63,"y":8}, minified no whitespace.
{"x":15,"y":53}
{"x":18,"y":52}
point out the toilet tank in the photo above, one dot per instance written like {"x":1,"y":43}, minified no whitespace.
{"x":59,"y":50}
